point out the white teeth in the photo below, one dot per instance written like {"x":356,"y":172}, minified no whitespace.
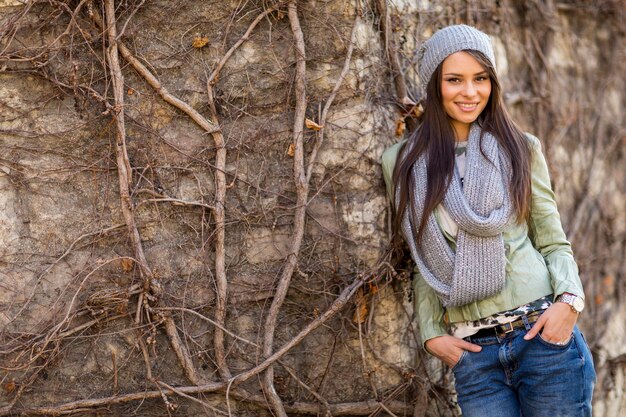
{"x":467,"y":106}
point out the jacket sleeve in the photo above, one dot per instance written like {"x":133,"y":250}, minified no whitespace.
{"x":430,"y":313}
{"x":545,"y":229}
{"x":428,"y":308}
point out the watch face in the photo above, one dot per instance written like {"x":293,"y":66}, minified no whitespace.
{"x":578,"y":304}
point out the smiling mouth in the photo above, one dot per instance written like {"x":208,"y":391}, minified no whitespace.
{"x":467,"y":106}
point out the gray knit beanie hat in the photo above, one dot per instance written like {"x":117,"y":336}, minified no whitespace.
{"x":447,"y":41}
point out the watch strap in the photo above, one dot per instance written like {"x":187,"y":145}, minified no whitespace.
{"x":575,"y":302}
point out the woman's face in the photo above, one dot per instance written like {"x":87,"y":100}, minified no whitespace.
{"x":465,"y":91}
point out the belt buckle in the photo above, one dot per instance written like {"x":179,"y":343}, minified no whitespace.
{"x":507,"y":327}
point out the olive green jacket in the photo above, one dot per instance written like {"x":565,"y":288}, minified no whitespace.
{"x":539,"y":257}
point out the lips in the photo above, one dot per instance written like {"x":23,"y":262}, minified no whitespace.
{"x":467,"y":107}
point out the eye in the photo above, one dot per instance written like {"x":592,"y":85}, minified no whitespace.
{"x":482,"y":78}
{"x":453,"y":80}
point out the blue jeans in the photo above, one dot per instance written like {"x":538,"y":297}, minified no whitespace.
{"x":512,"y":377}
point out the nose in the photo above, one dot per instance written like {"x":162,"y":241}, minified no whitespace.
{"x":470,"y":89}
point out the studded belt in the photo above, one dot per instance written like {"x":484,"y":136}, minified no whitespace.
{"x":505,"y":328}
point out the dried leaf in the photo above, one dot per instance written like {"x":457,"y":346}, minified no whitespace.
{"x":599,"y":299}
{"x":130,"y":91}
{"x":400,"y":126}
{"x":310,"y":124}
{"x":608,"y":281}
{"x":410,"y":108}
{"x":360,"y":313}
{"x":121,"y":308}
{"x":373,"y":288}
{"x":9,"y":387}
{"x":417,"y":110}
{"x":200,"y":41}
{"x":292,"y":150}
{"x":127,"y":265}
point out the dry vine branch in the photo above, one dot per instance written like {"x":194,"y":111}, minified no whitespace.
{"x":369,"y":373}
{"x":10,"y":27}
{"x":38,"y":347}
{"x":195,"y":313}
{"x":220,"y":179}
{"x":152,"y":288}
{"x":361,"y":408}
{"x":220,"y":193}
{"x":391,"y":51}
{"x":56,"y":261}
{"x":220,"y":250}
{"x":340,"y":302}
{"x":183,"y":354}
{"x":191,"y":398}
{"x":309,"y":389}
{"x":218,"y":206}
{"x":302,"y":191}
{"x":215,"y":74}
{"x":178,"y":202}
{"x":154,"y":82}
{"x":123,"y":165}
{"x":331,"y":97}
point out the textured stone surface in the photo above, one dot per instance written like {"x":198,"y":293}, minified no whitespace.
{"x":62,"y":236}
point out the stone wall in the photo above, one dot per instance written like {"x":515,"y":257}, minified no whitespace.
{"x":83,"y":327}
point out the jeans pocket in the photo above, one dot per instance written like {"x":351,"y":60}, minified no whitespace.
{"x":554,"y":345}
{"x":456,"y":365}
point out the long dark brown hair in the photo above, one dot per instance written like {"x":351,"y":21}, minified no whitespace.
{"x":435,"y":138}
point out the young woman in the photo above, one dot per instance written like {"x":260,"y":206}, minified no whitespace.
{"x":497,"y":288}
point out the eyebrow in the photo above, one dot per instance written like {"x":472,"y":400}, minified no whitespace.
{"x":460,"y":75}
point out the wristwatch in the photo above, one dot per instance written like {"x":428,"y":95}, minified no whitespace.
{"x":575,"y":302}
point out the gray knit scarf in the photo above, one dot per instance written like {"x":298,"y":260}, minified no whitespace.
{"x":481,"y":207}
